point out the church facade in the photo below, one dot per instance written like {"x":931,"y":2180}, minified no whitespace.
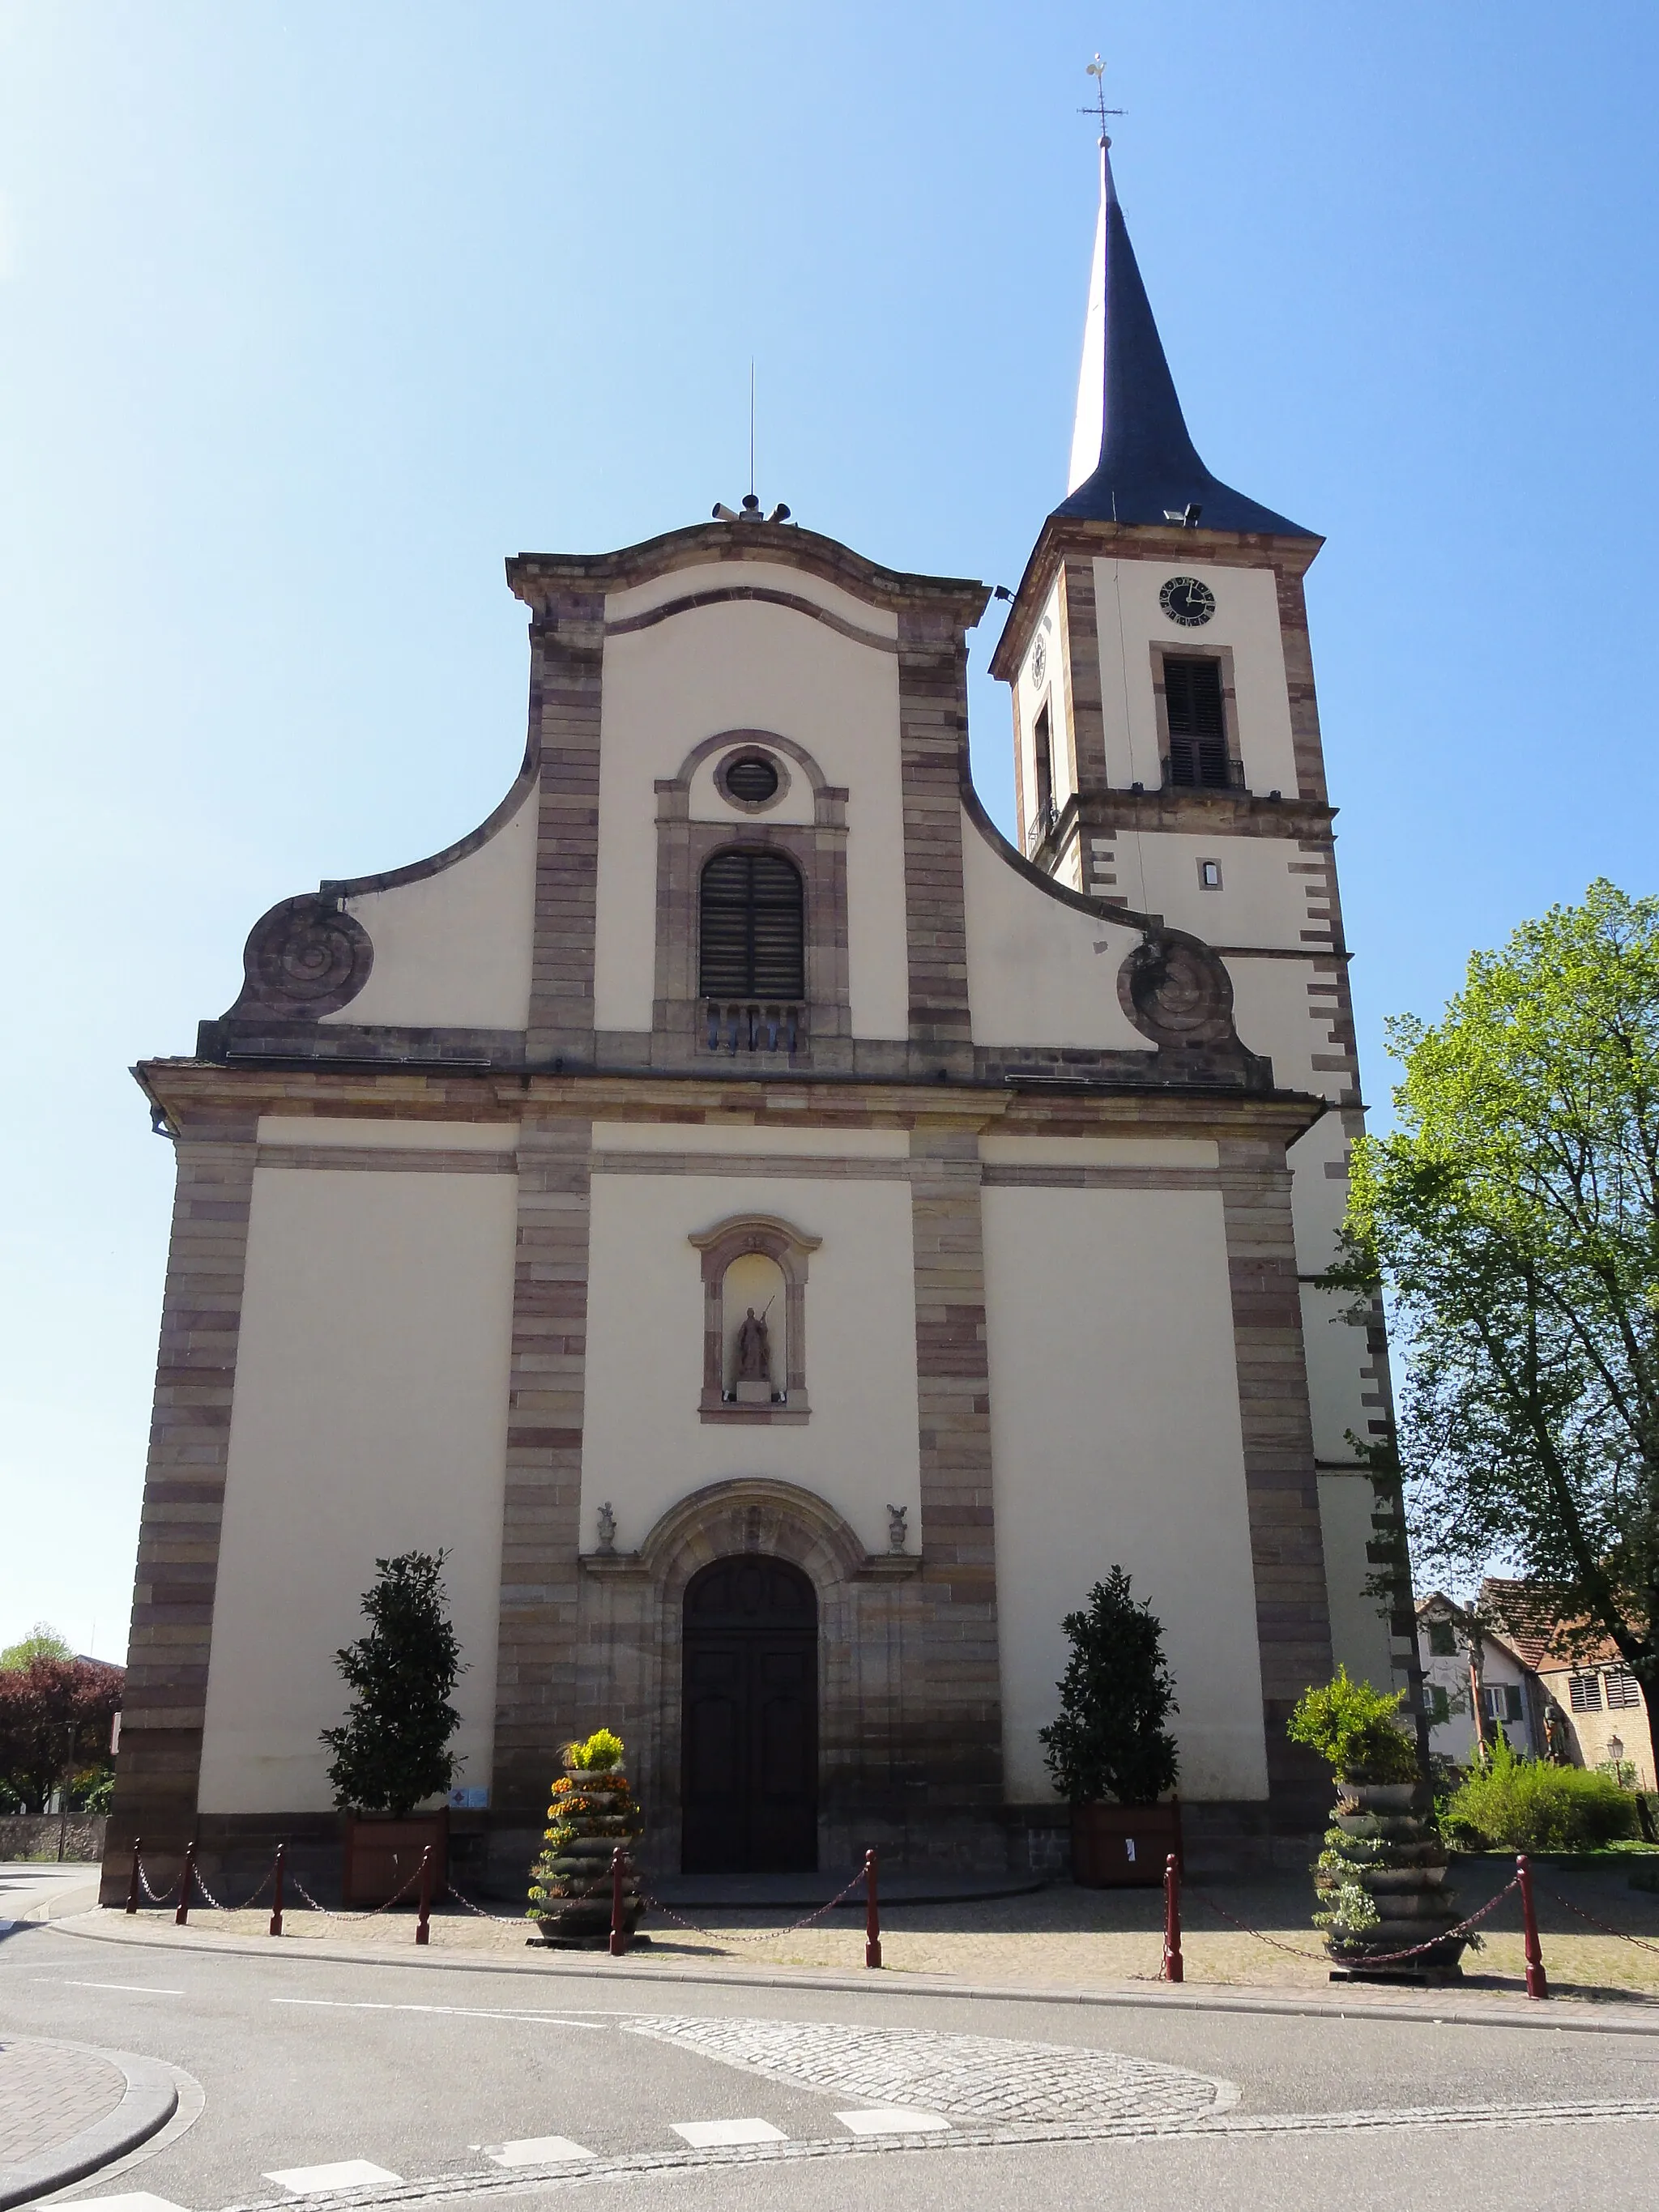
{"x":782,"y":1241}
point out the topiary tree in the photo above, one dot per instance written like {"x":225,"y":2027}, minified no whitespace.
{"x":1109,"y":1740}
{"x":1355,"y":1727}
{"x":392,"y":1749}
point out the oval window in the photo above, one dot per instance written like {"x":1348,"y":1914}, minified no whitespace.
{"x":751,"y":779}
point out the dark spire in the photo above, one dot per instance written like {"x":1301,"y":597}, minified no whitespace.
{"x":1132,"y":457}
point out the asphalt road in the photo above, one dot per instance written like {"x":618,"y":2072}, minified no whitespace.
{"x":425,"y":2074}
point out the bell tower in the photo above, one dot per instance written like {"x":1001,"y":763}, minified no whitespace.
{"x":1168,"y":761}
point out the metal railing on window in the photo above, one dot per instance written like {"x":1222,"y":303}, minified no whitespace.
{"x":753,"y":1025}
{"x":1182,"y":773}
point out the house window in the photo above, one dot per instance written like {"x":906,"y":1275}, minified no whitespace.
{"x":1585,"y":1693}
{"x":1043,"y":742}
{"x":1501,"y":1701}
{"x":1198,"y":728}
{"x":1622,"y":1688}
{"x":1209,"y":875}
{"x":751,"y":937}
{"x":1442,"y":1640}
{"x":1437,"y":1703}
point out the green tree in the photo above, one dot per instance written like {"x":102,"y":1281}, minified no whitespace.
{"x":1109,"y":1740}
{"x":392,"y":1749}
{"x":1513,"y":1218}
{"x":42,"y":1642}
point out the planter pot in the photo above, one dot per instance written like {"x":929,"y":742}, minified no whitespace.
{"x":382,"y":1852}
{"x":1407,"y":1886}
{"x":1123,"y":1846}
{"x":582,"y":1922}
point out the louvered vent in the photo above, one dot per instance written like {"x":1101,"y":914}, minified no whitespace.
{"x":751,"y":939}
{"x":1198,"y":731}
{"x":753,"y":778}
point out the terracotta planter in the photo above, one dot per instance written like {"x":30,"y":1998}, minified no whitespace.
{"x":382,"y":1852}
{"x":1123,"y":1846}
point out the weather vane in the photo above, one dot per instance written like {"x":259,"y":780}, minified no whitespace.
{"x":1097,"y":71}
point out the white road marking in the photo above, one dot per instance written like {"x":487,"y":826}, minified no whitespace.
{"x":344,"y":2173}
{"x":131,"y":1988}
{"x":456,"y":2012}
{"x":892,"y":2120}
{"x":537,"y":2150}
{"x":135,"y":2200}
{"x":717,"y":2134}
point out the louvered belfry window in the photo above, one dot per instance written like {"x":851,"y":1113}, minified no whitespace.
{"x":751,"y":939}
{"x":1198,"y":731}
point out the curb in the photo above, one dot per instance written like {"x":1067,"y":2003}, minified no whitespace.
{"x":150,"y":2102}
{"x":1639,"y":2018}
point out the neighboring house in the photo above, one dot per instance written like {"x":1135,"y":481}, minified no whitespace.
{"x":1594,"y":1702}
{"x":1584,"y":1707}
{"x":1454,"y":1660}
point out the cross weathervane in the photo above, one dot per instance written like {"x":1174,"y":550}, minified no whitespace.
{"x":1097,"y":71}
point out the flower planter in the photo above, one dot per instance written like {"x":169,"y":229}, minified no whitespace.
{"x":383,"y":1849}
{"x":1123,"y":1846}
{"x":1395,"y":1857}
{"x":591,"y":1813}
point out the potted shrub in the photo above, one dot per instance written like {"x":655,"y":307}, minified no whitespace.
{"x":1109,"y":1752}
{"x":392,"y":1753}
{"x":1380,"y":1879}
{"x":592,"y":1811}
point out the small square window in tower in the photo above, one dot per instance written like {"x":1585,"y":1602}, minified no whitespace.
{"x":752,"y":937}
{"x":1198,"y":728}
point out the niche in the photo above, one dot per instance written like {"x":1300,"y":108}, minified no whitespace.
{"x":754,"y":1279}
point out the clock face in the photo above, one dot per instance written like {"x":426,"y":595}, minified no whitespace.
{"x":1186,"y":601}
{"x":1039,"y":661}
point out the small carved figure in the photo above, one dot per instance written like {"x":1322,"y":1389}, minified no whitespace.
{"x":754,"y":1350}
{"x":1555,"y":1735}
{"x":607,"y":1521}
{"x":898,"y":1532}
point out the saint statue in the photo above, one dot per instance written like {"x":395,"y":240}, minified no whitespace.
{"x":754,"y":1350}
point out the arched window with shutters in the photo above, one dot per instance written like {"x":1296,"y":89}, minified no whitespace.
{"x":751,"y":939}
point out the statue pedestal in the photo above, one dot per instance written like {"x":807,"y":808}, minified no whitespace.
{"x":754,"y":1393}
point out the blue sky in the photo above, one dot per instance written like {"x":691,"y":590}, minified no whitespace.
{"x":312,"y":314}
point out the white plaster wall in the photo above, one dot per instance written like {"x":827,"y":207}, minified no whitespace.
{"x":1359,"y":1633}
{"x":749,"y":665}
{"x":1116,"y":1440}
{"x":1034,"y":976}
{"x":1259,"y":901}
{"x":1054,"y":689}
{"x":1131,"y":621}
{"x":734,"y":1135}
{"x":1336,"y":1351}
{"x":644,"y":1447}
{"x":452,"y":950}
{"x":341,"y":1130}
{"x":370,"y":1419}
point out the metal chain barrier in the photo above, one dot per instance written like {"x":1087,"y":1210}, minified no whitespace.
{"x":1371,"y":1959}
{"x":373,"y":1911}
{"x":214,"y":1902}
{"x":754,"y":1935}
{"x":1191,"y":1889}
{"x":1606,"y":1927}
{"x":166,"y":1897}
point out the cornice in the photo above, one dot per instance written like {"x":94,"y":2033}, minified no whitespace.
{"x":539,"y":579}
{"x":1064,"y":535}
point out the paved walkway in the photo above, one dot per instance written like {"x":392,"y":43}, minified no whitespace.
{"x":48,"y":2092}
{"x":1059,"y":1938}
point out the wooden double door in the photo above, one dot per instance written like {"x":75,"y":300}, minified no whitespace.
{"x":748,"y":1785}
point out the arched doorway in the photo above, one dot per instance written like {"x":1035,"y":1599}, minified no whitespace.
{"x":751,"y":1681}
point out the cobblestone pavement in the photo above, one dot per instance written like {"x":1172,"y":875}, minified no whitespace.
{"x":49,"y":2093}
{"x":979,"y":2077}
{"x":1065,"y":1937}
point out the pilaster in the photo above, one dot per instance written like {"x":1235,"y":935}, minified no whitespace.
{"x":566,"y":676}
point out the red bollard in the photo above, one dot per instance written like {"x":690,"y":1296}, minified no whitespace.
{"x":619,"y":1931}
{"x":186,"y":1883}
{"x":1537,"y":1981}
{"x":276,"y":1894}
{"x":421,"y":1933}
{"x":871,"y":1913}
{"x":1174,"y":1969}
{"x":132,"y":1883}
